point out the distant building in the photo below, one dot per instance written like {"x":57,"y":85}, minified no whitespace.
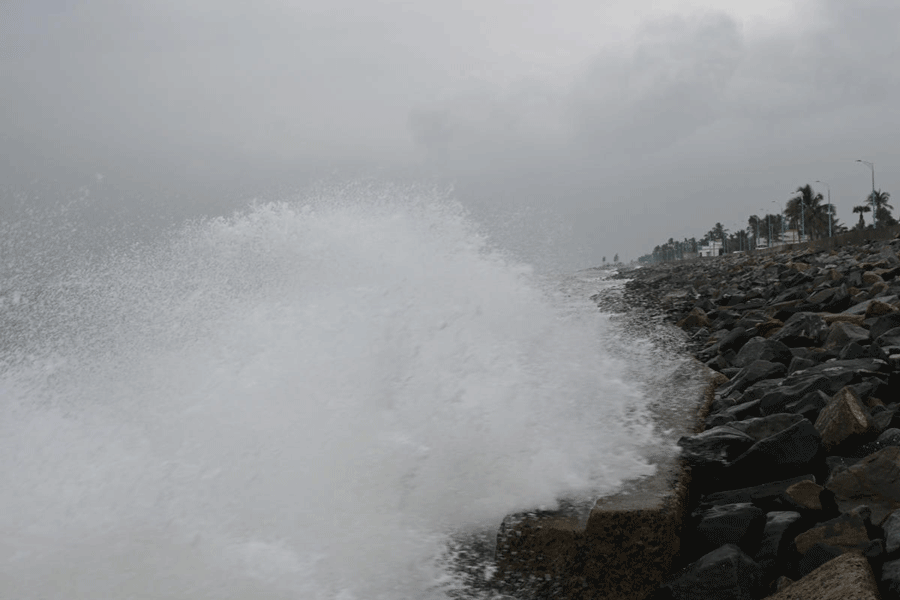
{"x":714,"y":248}
{"x":792,"y":236}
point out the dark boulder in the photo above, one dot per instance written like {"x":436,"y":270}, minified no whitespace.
{"x":841,"y":333}
{"x":779,"y":531}
{"x":759,"y":348}
{"x":762,"y":427}
{"x":788,"y":452}
{"x":723,"y":573}
{"x":755,"y":372}
{"x":849,"y":532}
{"x":767,"y":496}
{"x":810,"y":405}
{"x":740,"y":524}
{"x":883,"y":324}
{"x":817,"y":556}
{"x":715,"y":447}
{"x":844,"y":421}
{"x":874,"y":481}
{"x":802,"y":329}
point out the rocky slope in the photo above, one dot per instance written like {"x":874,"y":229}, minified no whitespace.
{"x":800,"y":460}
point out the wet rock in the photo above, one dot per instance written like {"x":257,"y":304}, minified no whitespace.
{"x":784,"y":454}
{"x":715,"y":447}
{"x":877,"y":308}
{"x":840,"y":334}
{"x":890,"y":577}
{"x":759,"y":348}
{"x":780,"y":529}
{"x":810,"y":405}
{"x":740,"y":524}
{"x":767,"y":496}
{"x":723,"y":573}
{"x":891,"y":528}
{"x":846,"y":577}
{"x":805,"y":495}
{"x":696,"y":318}
{"x":800,"y":364}
{"x":847,"y":532}
{"x":883,"y":324}
{"x":738,"y":412}
{"x":802,"y":329}
{"x":889,"y":437}
{"x":816,"y":556}
{"x":854,"y":350}
{"x":874,"y":481}
{"x":756,"y":371}
{"x":844,"y":420}
{"x":733,"y":340}
{"x":763,"y":427}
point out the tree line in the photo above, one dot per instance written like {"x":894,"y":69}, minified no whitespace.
{"x":807,"y":214}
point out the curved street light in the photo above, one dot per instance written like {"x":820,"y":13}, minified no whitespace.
{"x":871,"y":166}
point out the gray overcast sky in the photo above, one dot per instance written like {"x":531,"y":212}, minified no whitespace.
{"x":601,"y":127}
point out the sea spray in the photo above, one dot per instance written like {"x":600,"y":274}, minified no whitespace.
{"x":307,"y":399}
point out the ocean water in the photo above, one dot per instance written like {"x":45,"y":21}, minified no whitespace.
{"x":307,"y":399}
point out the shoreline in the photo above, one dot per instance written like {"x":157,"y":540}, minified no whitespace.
{"x":789,"y":474}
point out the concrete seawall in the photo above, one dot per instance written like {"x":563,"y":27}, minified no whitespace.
{"x":627,"y":543}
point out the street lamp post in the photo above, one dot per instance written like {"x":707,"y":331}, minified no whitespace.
{"x":830,"y":210}
{"x":871,"y":166}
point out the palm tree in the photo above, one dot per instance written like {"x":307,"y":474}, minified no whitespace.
{"x":806,"y":212}
{"x":862,"y":208}
{"x":883,"y":217}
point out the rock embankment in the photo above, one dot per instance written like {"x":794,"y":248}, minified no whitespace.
{"x":796,"y":478}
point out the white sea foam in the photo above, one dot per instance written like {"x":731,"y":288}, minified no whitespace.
{"x":301,"y":401}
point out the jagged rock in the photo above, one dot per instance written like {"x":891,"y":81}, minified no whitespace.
{"x":889,"y":437}
{"x":738,"y":412}
{"x":800,"y":364}
{"x":847,"y":576}
{"x":827,"y":377}
{"x":786,"y":453}
{"x":891,"y":528}
{"x":767,"y":496}
{"x":840,"y":334}
{"x":888,"y":343}
{"x":715,"y":447}
{"x":759,"y":348}
{"x":696,"y":318}
{"x":843,"y":420}
{"x":870,"y":278}
{"x":854,"y":350}
{"x":847,"y":532}
{"x":778,"y":399}
{"x":806,"y":495}
{"x":883,"y":324}
{"x":830,"y":318}
{"x":862,"y":307}
{"x":874,"y":481}
{"x":723,"y":573}
{"x":768,"y":328}
{"x":817,"y":556}
{"x":890,"y":577}
{"x":876,"y":308}
{"x":810,"y":405}
{"x":762,"y":427}
{"x":780,"y":529}
{"x":740,"y":524}
{"x":802,"y":329}
{"x":733,"y":340}
{"x":756,"y":371}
